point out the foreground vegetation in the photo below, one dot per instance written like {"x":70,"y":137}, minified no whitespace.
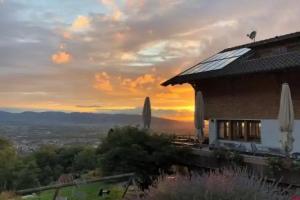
{"x":220,"y":185}
{"x":42,"y":167}
{"x":89,"y":191}
{"x":126,"y":149}
{"x":130,"y":149}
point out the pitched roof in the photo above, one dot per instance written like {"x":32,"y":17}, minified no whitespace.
{"x":243,"y":66}
{"x":272,"y":63}
{"x":266,"y":42}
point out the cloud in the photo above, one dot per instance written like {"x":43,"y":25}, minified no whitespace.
{"x":61,"y":57}
{"x":128,"y":57}
{"x":89,"y":106}
{"x":102,"y":82}
{"x":140,"y":82}
{"x":138,"y":85}
{"x":115,"y":13}
{"x":67,"y":35}
{"x":80,"y":23}
{"x":117,"y":44}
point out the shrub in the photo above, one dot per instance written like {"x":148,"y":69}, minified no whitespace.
{"x":43,"y":166}
{"x":275,"y":166}
{"x":224,"y":156}
{"x":226,"y":184}
{"x":221,"y":155}
{"x":129,"y":149}
{"x":9,"y":196}
{"x":236,"y":158}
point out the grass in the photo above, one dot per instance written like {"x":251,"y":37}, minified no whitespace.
{"x":88,"y":192}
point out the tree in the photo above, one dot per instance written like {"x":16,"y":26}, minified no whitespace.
{"x":130,"y":149}
{"x":8,"y":161}
{"x":43,"y":166}
{"x":46,"y":160}
{"x":66,"y":157}
{"x":85,"y":160}
{"x":26,"y":173}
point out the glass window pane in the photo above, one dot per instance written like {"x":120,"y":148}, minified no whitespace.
{"x":239,"y":130}
{"x":221,"y":130}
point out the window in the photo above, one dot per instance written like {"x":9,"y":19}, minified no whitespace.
{"x":239,"y":130}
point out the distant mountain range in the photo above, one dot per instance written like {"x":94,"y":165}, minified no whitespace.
{"x":93,"y":119}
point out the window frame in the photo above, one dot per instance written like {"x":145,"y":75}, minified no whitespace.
{"x":242,"y":130}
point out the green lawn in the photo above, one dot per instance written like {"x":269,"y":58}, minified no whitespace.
{"x":84,"y":192}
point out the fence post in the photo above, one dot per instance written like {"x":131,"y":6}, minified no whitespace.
{"x":55,"y":193}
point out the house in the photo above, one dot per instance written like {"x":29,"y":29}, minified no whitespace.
{"x":241,"y":87}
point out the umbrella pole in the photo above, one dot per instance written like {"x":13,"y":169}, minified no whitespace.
{"x":199,"y":134}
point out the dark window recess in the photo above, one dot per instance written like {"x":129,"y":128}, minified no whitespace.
{"x":239,"y":130}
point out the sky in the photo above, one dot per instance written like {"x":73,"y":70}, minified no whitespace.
{"x":106,"y":56}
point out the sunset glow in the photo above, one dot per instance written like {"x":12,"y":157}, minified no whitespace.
{"x":107,"y":56}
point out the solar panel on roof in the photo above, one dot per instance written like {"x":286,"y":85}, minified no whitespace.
{"x":217,"y":61}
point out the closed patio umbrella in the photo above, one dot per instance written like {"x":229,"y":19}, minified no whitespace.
{"x":286,"y":118}
{"x":199,"y":115}
{"x":147,"y":113}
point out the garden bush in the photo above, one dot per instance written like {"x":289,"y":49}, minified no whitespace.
{"x":148,"y":155}
{"x":275,"y":166}
{"x":224,"y":156}
{"x":226,"y":184}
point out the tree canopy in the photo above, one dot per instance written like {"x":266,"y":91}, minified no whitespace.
{"x":130,"y":149}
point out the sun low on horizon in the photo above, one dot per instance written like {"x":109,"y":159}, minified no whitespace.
{"x":106,"y":56}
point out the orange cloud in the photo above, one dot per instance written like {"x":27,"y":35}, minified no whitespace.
{"x":102,"y":82}
{"x":168,"y":100}
{"x":117,"y":15}
{"x":81,"y":22}
{"x":128,"y":57}
{"x":140,"y":84}
{"x":61,"y":57}
{"x":142,"y":80}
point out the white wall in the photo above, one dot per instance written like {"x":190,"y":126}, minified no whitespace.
{"x":271,"y":134}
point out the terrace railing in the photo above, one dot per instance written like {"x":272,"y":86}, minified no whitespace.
{"x":116,"y":178}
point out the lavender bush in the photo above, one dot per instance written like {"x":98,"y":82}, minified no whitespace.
{"x":225,"y":185}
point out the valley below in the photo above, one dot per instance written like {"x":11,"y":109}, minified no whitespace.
{"x":31,"y":130}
